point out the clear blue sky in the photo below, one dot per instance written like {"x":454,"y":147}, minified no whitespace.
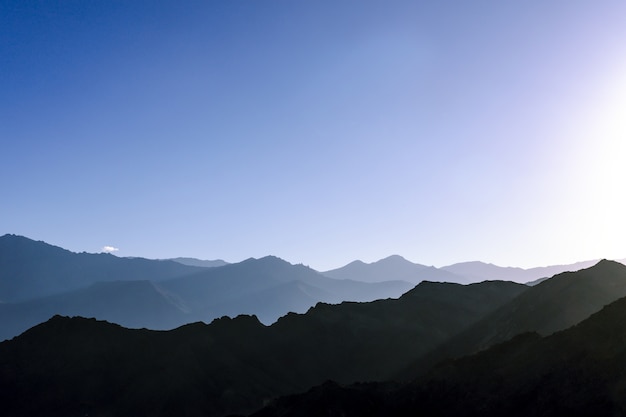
{"x":317,"y":131}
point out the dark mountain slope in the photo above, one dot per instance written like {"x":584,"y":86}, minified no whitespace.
{"x":68,"y":367}
{"x":576,"y":372}
{"x":394,"y":268}
{"x":562,"y":301}
{"x":76,"y":367}
{"x":30,"y":269}
{"x":134,"y":304}
{"x":555,"y":304}
{"x":366,"y":341}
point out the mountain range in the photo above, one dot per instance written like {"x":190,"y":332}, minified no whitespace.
{"x":396,"y":267}
{"x":552,"y":305}
{"x":38,"y":280}
{"x":75,"y":366}
{"x":199,"y":262}
{"x":30,"y":269}
{"x":479,"y":271}
{"x":230,"y":365}
{"x":575,"y":372}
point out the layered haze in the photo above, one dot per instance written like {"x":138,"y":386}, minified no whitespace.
{"x":39,"y":280}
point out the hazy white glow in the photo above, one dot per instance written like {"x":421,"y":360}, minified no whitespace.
{"x":109,"y":249}
{"x":605,"y":144}
{"x":596,"y":171}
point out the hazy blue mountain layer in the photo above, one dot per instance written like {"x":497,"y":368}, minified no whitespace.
{"x":199,"y":262}
{"x":395,"y":268}
{"x":269,"y":288}
{"x":480,"y":271}
{"x":133,"y":304}
{"x":31,"y":269}
{"x":38,"y":280}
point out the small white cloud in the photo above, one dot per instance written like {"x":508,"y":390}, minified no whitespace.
{"x":109,"y":249}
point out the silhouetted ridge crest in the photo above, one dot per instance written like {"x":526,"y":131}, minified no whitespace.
{"x":38,"y":280}
{"x":240,"y":322}
{"x":552,"y":305}
{"x":609,"y":265}
{"x":231,"y":365}
{"x":574,"y":372}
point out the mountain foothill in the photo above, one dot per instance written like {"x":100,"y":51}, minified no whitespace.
{"x":100,"y":335}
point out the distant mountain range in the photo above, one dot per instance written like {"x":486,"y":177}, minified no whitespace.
{"x":414,"y":346}
{"x":199,"y":262}
{"x":397,"y":268}
{"x":31,"y":269}
{"x":269,"y":288}
{"x":473,"y":271}
{"x":38,"y":280}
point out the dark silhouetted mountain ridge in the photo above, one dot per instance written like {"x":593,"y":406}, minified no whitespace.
{"x":575,"y":372}
{"x":232,"y":365}
{"x":555,"y":304}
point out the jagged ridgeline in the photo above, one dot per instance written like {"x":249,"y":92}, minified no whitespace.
{"x":38,"y":280}
{"x":321,"y":361}
{"x":232,"y":365}
{"x":574,"y":372}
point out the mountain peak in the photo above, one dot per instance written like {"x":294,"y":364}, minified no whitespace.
{"x":272,"y":258}
{"x":269,"y":259}
{"x":604,"y":262}
{"x":608,"y":265}
{"x":10,"y":236}
{"x":391,"y":268}
{"x":394,"y":259}
{"x":11,"y":239}
{"x":269,"y":262}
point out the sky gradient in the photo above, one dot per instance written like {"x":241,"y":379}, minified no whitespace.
{"x":320,"y":132}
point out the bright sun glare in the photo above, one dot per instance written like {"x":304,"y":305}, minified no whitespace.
{"x":601,"y":167}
